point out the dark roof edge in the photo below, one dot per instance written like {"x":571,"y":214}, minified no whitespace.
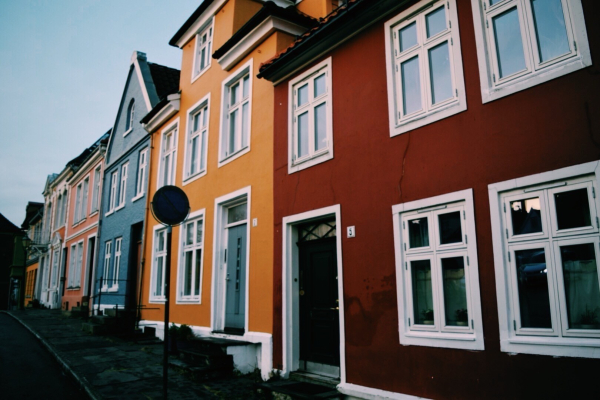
{"x":190,"y":21}
{"x":159,"y":106}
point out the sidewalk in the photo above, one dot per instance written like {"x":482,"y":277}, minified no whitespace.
{"x":112,"y":368}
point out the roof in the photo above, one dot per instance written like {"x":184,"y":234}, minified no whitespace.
{"x":8,"y":227}
{"x":268,"y":9}
{"x":166,"y":79}
{"x":190,"y":21}
{"x":31,"y":210}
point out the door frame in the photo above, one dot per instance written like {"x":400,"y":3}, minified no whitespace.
{"x":290,"y":288}
{"x":218,"y":293}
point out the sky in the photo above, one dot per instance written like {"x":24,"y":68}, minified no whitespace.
{"x":63,"y":66}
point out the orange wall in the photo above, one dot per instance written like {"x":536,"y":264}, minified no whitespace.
{"x":315,"y":8}
{"x":252,"y":169}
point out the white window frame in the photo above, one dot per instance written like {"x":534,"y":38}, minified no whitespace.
{"x":77,"y":211}
{"x":171,"y":129}
{"x":155,"y":297}
{"x":493,"y":88}
{"x":140,"y":187}
{"x":199,"y":46}
{"x":556,"y":341}
{"x":430,"y":112}
{"x":112,"y":199}
{"x":202,"y":106}
{"x":96,"y":189}
{"x":468,"y":337}
{"x":235,"y":78}
{"x":195,"y":218}
{"x":116,"y":265}
{"x":106,"y":266}
{"x":130,"y":116}
{"x":307,"y":78}
{"x":84,"y":198}
{"x":123,"y":186}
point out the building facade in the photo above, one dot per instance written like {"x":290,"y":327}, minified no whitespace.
{"x":449,"y":247}
{"x":33,"y":226}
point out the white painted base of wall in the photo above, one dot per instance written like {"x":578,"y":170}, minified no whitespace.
{"x":363,"y":392}
{"x":245,"y":358}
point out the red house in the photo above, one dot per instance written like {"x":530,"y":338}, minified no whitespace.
{"x":436,"y":178}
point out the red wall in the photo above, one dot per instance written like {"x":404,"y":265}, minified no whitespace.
{"x":549,"y":126}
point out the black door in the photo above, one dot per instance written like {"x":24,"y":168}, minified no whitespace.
{"x":319,"y":310}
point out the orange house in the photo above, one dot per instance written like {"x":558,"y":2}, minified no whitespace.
{"x":214,"y":139}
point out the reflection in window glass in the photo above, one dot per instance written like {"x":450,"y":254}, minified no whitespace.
{"x":411,"y":86}
{"x":408,"y":36}
{"x":197,"y":273}
{"x":440,"y":74}
{"x":509,"y":46}
{"x":422,"y":293}
{"x":572,"y":209}
{"x":455,"y":291}
{"x":303,"y":134}
{"x":551,"y":33}
{"x":450,"y":229}
{"x":418,"y":233}
{"x":319,"y":85}
{"x":532,"y":284}
{"x":526,"y":216}
{"x":236,"y":214}
{"x":436,"y":22}
{"x":582,"y":292}
{"x":320,"y":127}
{"x":303,"y":95}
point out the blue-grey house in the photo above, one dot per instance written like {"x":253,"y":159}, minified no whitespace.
{"x":124,"y":185}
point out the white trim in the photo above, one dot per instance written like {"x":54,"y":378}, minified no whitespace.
{"x":364,"y":392}
{"x":509,"y":342}
{"x":210,"y":26}
{"x":321,"y":155}
{"x":127,"y":132}
{"x":172,"y":127}
{"x":199,"y":215}
{"x":136,"y":62}
{"x":170,"y":109}
{"x":81,"y":232}
{"x":218,"y":295}
{"x":87,"y":290}
{"x":152,"y":299}
{"x":430,"y":113}
{"x":290,"y":305}
{"x":259,"y":34}
{"x":202,"y":103}
{"x":248,"y":68}
{"x":491,"y":92}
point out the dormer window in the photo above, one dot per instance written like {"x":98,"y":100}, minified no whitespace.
{"x":130,"y":115}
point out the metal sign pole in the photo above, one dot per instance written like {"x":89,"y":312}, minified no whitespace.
{"x":166,"y":335}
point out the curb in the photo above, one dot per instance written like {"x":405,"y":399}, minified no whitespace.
{"x":83,"y":382}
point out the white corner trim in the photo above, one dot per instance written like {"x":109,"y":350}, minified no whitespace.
{"x":127,"y":132}
{"x":259,"y":34}
{"x":137,"y":197}
{"x":136,"y":63}
{"x":170,"y":109}
{"x":364,"y":392}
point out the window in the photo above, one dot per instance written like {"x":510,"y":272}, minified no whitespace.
{"x":141,"y":175}
{"x":437,"y":272}
{"x":166,"y":174}
{"x":310,"y":131}
{"x":202,"y":56}
{"x":113,"y":191}
{"x":58,"y":211}
{"x":197,"y":137}
{"x":157,"y":289}
{"x":123,"y":186}
{"x":106,"y":270}
{"x":117,"y":264}
{"x":96,"y":190}
{"x":130,"y":116}
{"x":84,"y":198}
{"x":424,"y":66}
{"x":546,"y":251}
{"x":75,"y":264}
{"x":522,"y":43}
{"x":77,"y":211}
{"x":190,"y":268}
{"x":235,"y":126}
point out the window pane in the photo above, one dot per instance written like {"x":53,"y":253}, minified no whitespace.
{"x":455,"y":291}
{"x":167,"y":171}
{"x":436,"y":22}
{"x":197,"y":272}
{"x":551,"y":34}
{"x":203,"y":151}
{"x":234,"y":94}
{"x":492,"y":2}
{"x":509,"y":46}
{"x":422,"y":294}
{"x":439,"y":70}
{"x":408,"y":36}
{"x":237,"y":213}
{"x":202,"y":59}
{"x":199,"y":232}
{"x":194,"y":156}
{"x":189,"y":234}
{"x":187,"y":274}
{"x":246,"y":86}
{"x":411,"y":86}
{"x":526,"y":216}
{"x":302,"y":95}
{"x":161,"y":241}
{"x":582,"y":292}
{"x":204,"y":116}
{"x":450,"y":229}
{"x":572,"y":209}
{"x":319,"y":85}
{"x":532,"y":284}
{"x":159,"y":275}
{"x":302,"y":134}
{"x":418,"y":233}
{"x":245,"y":109}
{"x":320,"y":127}
{"x":196,"y":123}
{"x":232,"y":128}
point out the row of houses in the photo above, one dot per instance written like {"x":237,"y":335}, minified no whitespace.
{"x":398,"y":196}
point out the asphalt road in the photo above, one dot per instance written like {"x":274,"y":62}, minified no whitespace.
{"x":28,"y":370}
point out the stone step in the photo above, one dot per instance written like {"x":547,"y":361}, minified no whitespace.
{"x":198,"y":358}
{"x":292,"y":390}
{"x":201,"y":373}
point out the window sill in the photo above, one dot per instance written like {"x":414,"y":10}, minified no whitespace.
{"x":193,"y":178}
{"x":127,"y":132}
{"x":195,"y":78}
{"x":109,"y":213}
{"x":93,"y":213}
{"x":552,"y":346}
{"x":81,"y":221}
{"x":421,"y":120}
{"x":233,"y":156}
{"x":137,"y":197}
{"x":157,"y":300}
{"x":466,"y":341}
{"x":113,"y":289}
{"x":314,"y":160}
{"x":74,"y":288}
{"x":120,"y":207}
{"x":188,"y":301}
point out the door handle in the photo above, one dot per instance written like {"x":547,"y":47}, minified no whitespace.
{"x":227,"y":277}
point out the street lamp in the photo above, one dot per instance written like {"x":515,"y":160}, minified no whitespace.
{"x":26,"y":243}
